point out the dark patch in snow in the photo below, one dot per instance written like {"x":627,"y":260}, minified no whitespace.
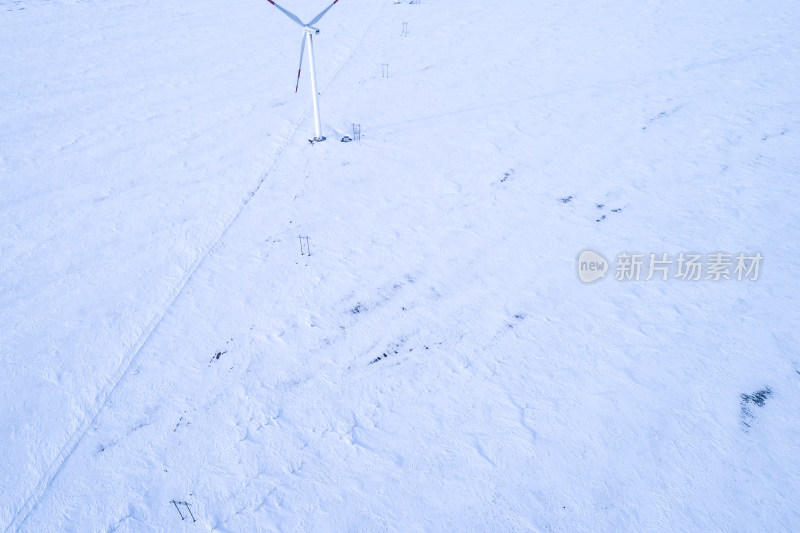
{"x":393,"y":349}
{"x":603,"y":217}
{"x":660,"y":116}
{"x":112,"y":443}
{"x":519,"y":317}
{"x":507,"y":175}
{"x":387,"y":293}
{"x":180,"y":423}
{"x":767,"y":137}
{"x":219,"y":353}
{"x":565,"y":199}
{"x":384,"y":355}
{"x":758,"y":399}
{"x":600,"y":206}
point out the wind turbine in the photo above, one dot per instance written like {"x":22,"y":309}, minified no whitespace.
{"x":309,"y":31}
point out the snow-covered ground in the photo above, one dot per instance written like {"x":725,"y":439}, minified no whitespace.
{"x":435,"y":363}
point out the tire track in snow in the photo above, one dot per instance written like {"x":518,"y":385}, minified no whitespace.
{"x":100,"y":401}
{"x":66,"y":451}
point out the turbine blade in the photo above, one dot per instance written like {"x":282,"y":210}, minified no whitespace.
{"x":302,"y":53}
{"x":322,"y":13}
{"x":288,"y":13}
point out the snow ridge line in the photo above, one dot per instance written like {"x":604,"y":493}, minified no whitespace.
{"x":101,"y":399}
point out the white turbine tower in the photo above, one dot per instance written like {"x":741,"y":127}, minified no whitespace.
{"x":308,"y":35}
